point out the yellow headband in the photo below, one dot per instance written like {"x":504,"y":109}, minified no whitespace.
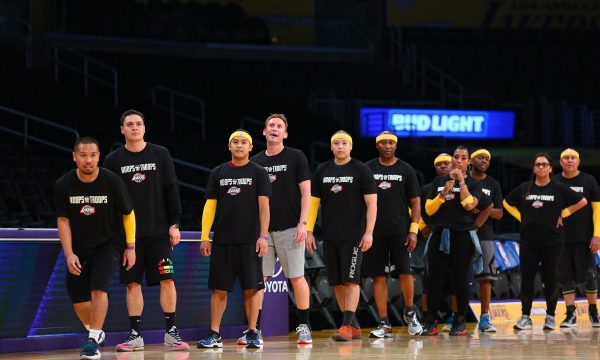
{"x":569,"y":152}
{"x":341,"y":136}
{"x":442,"y":157}
{"x":386,"y":136}
{"x":481,"y":152}
{"x":242,"y":134}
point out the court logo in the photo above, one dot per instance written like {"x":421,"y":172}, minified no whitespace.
{"x":138,"y":178}
{"x":385,"y":185}
{"x":537,"y":204}
{"x":234,"y":190}
{"x":165,"y":266}
{"x":336,"y":188}
{"x":272,"y":177}
{"x":87,"y":210}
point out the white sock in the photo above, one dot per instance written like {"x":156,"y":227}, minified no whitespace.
{"x":95,"y":334}
{"x":87,"y":327}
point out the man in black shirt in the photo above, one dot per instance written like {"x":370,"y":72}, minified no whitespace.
{"x":91,"y":202}
{"x":348,"y":194}
{"x":237,"y":201}
{"x":582,"y":239}
{"x":149,"y":174}
{"x":393,"y":239}
{"x":480,"y":162}
{"x":290,"y":181}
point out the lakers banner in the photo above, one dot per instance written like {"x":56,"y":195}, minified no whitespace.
{"x":508,"y":312}
{"x":496,"y":14}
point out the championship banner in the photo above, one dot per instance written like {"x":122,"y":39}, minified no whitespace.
{"x":506,"y":313}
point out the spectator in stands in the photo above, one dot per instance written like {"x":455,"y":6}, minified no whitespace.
{"x":480,"y":162}
{"x":90,"y":203}
{"x":582,"y":239}
{"x":237,"y":201}
{"x":395,"y":234}
{"x":346,"y":190}
{"x":290,"y":182}
{"x":149,"y":175}
{"x":541,"y":204}
{"x":453,"y":241}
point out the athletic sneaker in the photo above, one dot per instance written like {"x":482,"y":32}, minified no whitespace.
{"x":134,"y":342}
{"x":356,"y":333}
{"x":89,"y":350}
{"x":382,"y":331}
{"x":449,"y":321}
{"x":570,"y":321}
{"x":304,"y":335}
{"x":254,"y":339}
{"x":459,"y":327}
{"x":212,"y":340}
{"x":344,"y":333}
{"x":173,"y":339}
{"x":549,"y":323}
{"x":242,"y":339}
{"x":414,"y":326}
{"x":429,"y":326}
{"x":594,"y":319}
{"x":485,"y":324}
{"x":524,"y":323}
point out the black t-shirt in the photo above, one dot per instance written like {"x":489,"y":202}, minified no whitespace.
{"x":94,"y":209}
{"x":341,"y":189}
{"x":540,"y":207}
{"x":579,"y":227}
{"x":451,"y":214}
{"x":396,"y":185}
{"x":424,"y":193}
{"x":286,"y":170}
{"x":237,"y":189}
{"x":490,"y":187}
{"x":150,"y":178}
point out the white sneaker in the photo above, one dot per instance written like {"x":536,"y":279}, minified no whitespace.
{"x":524,"y":323}
{"x":414,"y":326}
{"x":382,"y":331}
{"x":134,"y":342}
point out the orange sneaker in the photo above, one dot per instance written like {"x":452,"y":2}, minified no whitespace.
{"x":356,"y":333}
{"x":344,"y":333}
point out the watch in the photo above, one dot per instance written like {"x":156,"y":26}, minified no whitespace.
{"x":176,"y":226}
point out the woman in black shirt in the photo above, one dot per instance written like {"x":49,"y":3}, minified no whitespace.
{"x":540,"y":205}
{"x":450,"y":202}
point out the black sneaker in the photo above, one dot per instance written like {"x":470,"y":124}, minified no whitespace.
{"x":459,"y":326}
{"x":253,"y":339}
{"x":429,"y":326}
{"x":212,"y":340}
{"x":594,"y":319}
{"x":570,"y":321}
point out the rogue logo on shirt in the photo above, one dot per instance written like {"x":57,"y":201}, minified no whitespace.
{"x":385,"y":185}
{"x":486,"y":191}
{"x":136,"y":168}
{"x":336,"y":188}
{"x":138,"y":178}
{"x":87,"y":210}
{"x":234,"y":190}
{"x":578,"y":189}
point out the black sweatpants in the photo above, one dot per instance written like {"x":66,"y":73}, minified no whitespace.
{"x":530,"y":257}
{"x":457,"y":264}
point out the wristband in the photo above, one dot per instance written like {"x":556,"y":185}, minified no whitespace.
{"x":130,"y":246}
{"x":414,"y":228}
{"x":565,"y":213}
{"x":461,"y":183}
{"x":303,"y":222}
{"x":263,"y":237}
{"x":467,"y":201}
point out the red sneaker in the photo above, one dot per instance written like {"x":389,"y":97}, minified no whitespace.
{"x":344,"y":333}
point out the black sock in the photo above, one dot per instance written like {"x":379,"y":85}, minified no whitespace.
{"x":385,"y":320}
{"x":355,"y":322}
{"x":570,"y":309}
{"x":258,"y":319}
{"x":135,"y":322}
{"x":592,"y":309}
{"x":170,"y":320}
{"x":407,"y":310}
{"x":348,"y":318}
{"x":303,"y":316}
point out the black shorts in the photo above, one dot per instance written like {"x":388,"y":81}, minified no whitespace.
{"x":577,"y":266}
{"x":388,"y":255}
{"x":154,"y":259}
{"x":232,"y":261}
{"x":343,"y":259}
{"x":97,"y":271}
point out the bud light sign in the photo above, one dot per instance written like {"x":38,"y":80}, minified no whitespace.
{"x":466,"y":124}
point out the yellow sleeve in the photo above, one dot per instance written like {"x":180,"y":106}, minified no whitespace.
{"x":129,"y":225}
{"x":596,"y":217}
{"x":208,"y":217}
{"x":313,"y":210}
{"x":433,"y":205}
{"x":512,"y":210}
